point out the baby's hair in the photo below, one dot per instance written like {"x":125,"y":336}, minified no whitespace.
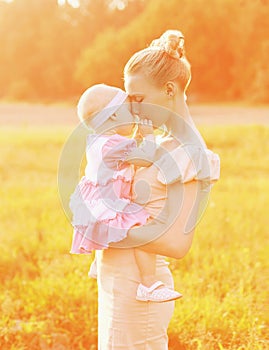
{"x":164,"y":60}
{"x":93,"y":100}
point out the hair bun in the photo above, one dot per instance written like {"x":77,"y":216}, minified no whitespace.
{"x":172,"y":42}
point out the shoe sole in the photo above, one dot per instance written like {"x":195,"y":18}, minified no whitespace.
{"x":159,"y":301}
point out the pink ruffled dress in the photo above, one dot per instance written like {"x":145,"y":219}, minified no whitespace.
{"x":101,"y":203}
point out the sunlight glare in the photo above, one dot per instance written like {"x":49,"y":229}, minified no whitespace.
{"x":118,"y":4}
{"x":73,"y":3}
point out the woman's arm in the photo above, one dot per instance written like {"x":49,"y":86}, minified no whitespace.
{"x":173,"y":238}
{"x":185,"y":204}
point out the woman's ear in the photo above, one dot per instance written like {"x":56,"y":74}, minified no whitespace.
{"x":171,"y":89}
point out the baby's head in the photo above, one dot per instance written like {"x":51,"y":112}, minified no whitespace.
{"x":101,"y":106}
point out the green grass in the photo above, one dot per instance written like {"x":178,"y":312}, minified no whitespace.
{"x":46,"y":299}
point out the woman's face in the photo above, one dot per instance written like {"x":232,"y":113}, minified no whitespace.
{"x":147,"y":98}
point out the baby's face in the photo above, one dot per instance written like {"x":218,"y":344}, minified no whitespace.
{"x":125,"y":119}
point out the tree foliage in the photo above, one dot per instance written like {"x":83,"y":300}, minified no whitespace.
{"x":54,"y":52}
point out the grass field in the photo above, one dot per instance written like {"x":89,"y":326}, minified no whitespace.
{"x":46,"y":299}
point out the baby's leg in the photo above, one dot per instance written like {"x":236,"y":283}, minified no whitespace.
{"x":150,"y":289}
{"x":146,"y":263}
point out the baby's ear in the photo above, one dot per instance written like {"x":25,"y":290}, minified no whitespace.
{"x":113,"y":117}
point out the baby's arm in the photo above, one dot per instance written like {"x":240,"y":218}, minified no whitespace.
{"x":144,"y":155}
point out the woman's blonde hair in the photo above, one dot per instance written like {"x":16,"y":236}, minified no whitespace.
{"x":164,"y":60}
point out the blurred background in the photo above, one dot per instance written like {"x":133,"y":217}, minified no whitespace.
{"x":53,"y":49}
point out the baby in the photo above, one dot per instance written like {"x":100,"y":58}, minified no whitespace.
{"x":101,"y":204}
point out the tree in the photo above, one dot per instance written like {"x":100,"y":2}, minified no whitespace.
{"x":53,"y":52}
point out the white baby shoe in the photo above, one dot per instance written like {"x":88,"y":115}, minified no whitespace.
{"x":156,"y":294}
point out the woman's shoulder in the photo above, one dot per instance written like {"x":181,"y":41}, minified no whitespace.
{"x":166,"y":143}
{"x":189,"y":162}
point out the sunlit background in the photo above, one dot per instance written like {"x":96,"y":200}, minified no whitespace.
{"x":51,"y":50}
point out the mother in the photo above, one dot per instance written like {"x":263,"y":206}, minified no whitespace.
{"x":158,"y":75}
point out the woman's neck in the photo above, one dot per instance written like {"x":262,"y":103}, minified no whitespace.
{"x":183,"y":126}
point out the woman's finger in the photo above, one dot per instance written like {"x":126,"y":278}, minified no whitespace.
{"x":146,"y":121}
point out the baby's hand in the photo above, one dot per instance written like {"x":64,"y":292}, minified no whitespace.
{"x":145,"y":127}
